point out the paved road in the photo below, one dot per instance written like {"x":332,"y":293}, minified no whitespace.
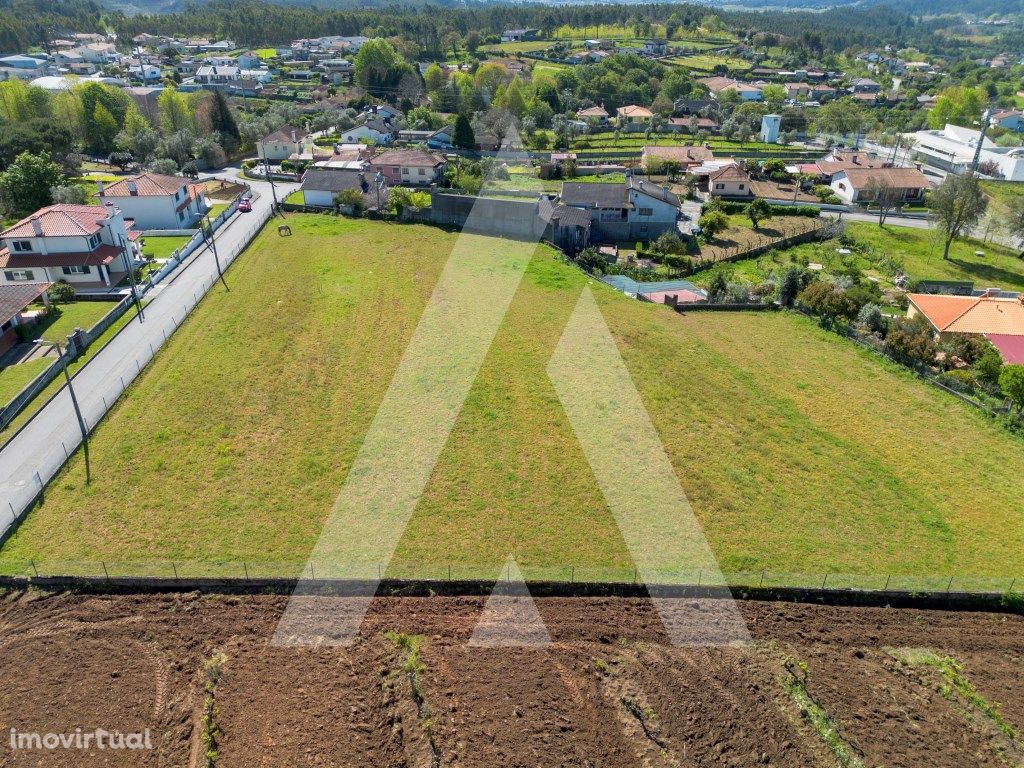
{"x":34,"y":454}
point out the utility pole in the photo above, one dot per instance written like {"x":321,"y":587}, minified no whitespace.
{"x":211,"y":243}
{"x":74,"y":402}
{"x":270,"y":178}
{"x":985,"y":122}
{"x":129,"y":267}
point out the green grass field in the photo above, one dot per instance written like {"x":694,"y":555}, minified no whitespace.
{"x":163,"y":246}
{"x":66,"y":317}
{"x":706,"y":62}
{"x":799,"y":451}
{"x":14,"y":378}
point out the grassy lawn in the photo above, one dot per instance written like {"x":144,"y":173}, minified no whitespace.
{"x":15,"y":378}
{"x":921,"y":252}
{"x":54,"y":385}
{"x":297,"y":197}
{"x":66,"y":317}
{"x":707,"y":62}
{"x":798,"y":451}
{"x":216,"y":208}
{"x":160,"y":247}
{"x":88,"y":183}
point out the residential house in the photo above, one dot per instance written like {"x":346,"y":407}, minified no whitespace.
{"x":686,"y":157}
{"x":1009,"y":119}
{"x":281,"y":144}
{"x":441,"y":138}
{"x":691,"y":124}
{"x":729,"y":181}
{"x":409,"y":166}
{"x":719,"y":85}
{"x":249,"y":60}
{"x":841,"y":160}
{"x":991,"y":315}
{"x":209,"y":73}
{"x":598,"y":114}
{"x":655,"y":47}
{"x":147,"y":73}
{"x":632,"y":210}
{"x":865,"y":85}
{"x":857,"y":185}
{"x":321,"y":185}
{"x":145,"y":97}
{"x":518,"y":35}
{"x":369,"y":130}
{"x":85,"y":245}
{"x":33,"y":64}
{"x":633,"y":118}
{"x":154,"y":201}
{"x":14,"y":300}
{"x":338,"y":70}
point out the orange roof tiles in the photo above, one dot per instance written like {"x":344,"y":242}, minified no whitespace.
{"x":146,"y":185}
{"x":971,"y":314}
{"x":61,"y":220}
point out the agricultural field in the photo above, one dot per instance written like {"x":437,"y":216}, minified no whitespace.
{"x":816,"y":686}
{"x":709,"y":62}
{"x":798,"y":451}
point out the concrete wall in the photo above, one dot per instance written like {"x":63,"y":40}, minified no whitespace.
{"x":503,"y":218}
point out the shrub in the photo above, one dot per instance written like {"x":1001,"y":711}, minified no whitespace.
{"x":989,"y":366}
{"x":669,"y":242}
{"x":790,"y":285}
{"x":1011,"y":381}
{"x":967,"y":348}
{"x":717,"y":286}
{"x":828,"y":301}
{"x":61,"y":292}
{"x":870,"y":317}
{"x":961,"y":381}
{"x":350,"y":197}
{"x":911,"y":341}
{"x":713,"y":222}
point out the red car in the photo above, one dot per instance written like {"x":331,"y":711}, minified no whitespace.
{"x":244,"y":205}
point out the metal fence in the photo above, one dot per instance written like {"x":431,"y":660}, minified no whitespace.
{"x":738,"y":581}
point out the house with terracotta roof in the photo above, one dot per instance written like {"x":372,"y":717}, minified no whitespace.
{"x":729,"y":181}
{"x":85,"y":245}
{"x":992,"y":315}
{"x":633,"y":117}
{"x":280,"y":144}
{"x":635,"y":209}
{"x":686,"y":156}
{"x":156,"y":201}
{"x":14,"y":300}
{"x":857,"y":185}
{"x":409,"y":167}
{"x":600,"y":114}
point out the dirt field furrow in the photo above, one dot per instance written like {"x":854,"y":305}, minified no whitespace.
{"x":892,"y":687}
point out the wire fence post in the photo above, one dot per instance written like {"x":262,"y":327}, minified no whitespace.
{"x":824,"y":580}
{"x":105,"y":572}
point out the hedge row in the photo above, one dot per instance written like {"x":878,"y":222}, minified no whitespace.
{"x":810,"y":211}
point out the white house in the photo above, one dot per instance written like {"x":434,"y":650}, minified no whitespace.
{"x":370,"y":130}
{"x":633,"y":210}
{"x":85,"y":245}
{"x":214,"y":74}
{"x":154,"y":201}
{"x":858,"y":185}
{"x":729,"y":181}
{"x":281,"y":144}
{"x":321,"y":185}
{"x":147,"y":73}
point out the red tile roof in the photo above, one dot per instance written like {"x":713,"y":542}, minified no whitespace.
{"x":146,"y":185}
{"x":409,"y":157}
{"x":971,"y":314}
{"x":15,"y":297}
{"x":61,"y":220}
{"x":899,"y":178}
{"x":104,"y":254}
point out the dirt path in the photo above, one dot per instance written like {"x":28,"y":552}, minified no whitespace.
{"x":608,"y":690}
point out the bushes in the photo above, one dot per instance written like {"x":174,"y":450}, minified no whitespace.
{"x":1011,"y":381}
{"x":61,"y":292}
{"x":829,"y":301}
{"x":911,"y":341}
{"x":809,"y":211}
{"x":989,"y":365}
{"x":713,"y":222}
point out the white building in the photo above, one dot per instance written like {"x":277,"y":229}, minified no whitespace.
{"x":85,"y":245}
{"x":281,"y":144}
{"x":370,"y":130}
{"x":154,"y":201}
{"x":953,"y":148}
{"x":770,"y":125}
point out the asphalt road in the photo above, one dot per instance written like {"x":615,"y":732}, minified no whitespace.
{"x":35,"y":453}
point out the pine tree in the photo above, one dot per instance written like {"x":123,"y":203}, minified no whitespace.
{"x":463,"y":137}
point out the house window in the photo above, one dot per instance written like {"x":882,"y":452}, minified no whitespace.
{"x":22,"y":245}
{"x":423,"y":171}
{"x":75,"y":270}
{"x":646,"y":211}
{"x":94,"y":240}
{"x":181,"y":216}
{"x":15,"y":275}
{"x":719,"y":186}
{"x":741,"y":187}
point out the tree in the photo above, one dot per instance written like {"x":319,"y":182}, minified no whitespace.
{"x":379,"y":66}
{"x":841,"y":116}
{"x":101,"y":131}
{"x":175,"y":113}
{"x":1015,"y":220}
{"x":25,"y":186}
{"x":989,"y":366}
{"x":73,"y":194}
{"x":472,"y":41}
{"x":462,"y":136}
{"x":718,"y":285}
{"x":121,"y":159}
{"x":957,"y":204}
{"x":958,"y":105}
{"x":713,"y":222}
{"x":164,"y":166}
{"x":790,"y":285}
{"x":757,"y":211}
{"x":1011,"y":381}
{"x":911,"y":340}
{"x":222,"y":121}
{"x":885,"y":195}
{"x":434,"y":79}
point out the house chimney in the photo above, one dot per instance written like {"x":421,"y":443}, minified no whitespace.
{"x":990,"y":293}
{"x":99,"y":188}
{"x":293,"y":137}
{"x":133,"y":188}
{"x":37,"y":227}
